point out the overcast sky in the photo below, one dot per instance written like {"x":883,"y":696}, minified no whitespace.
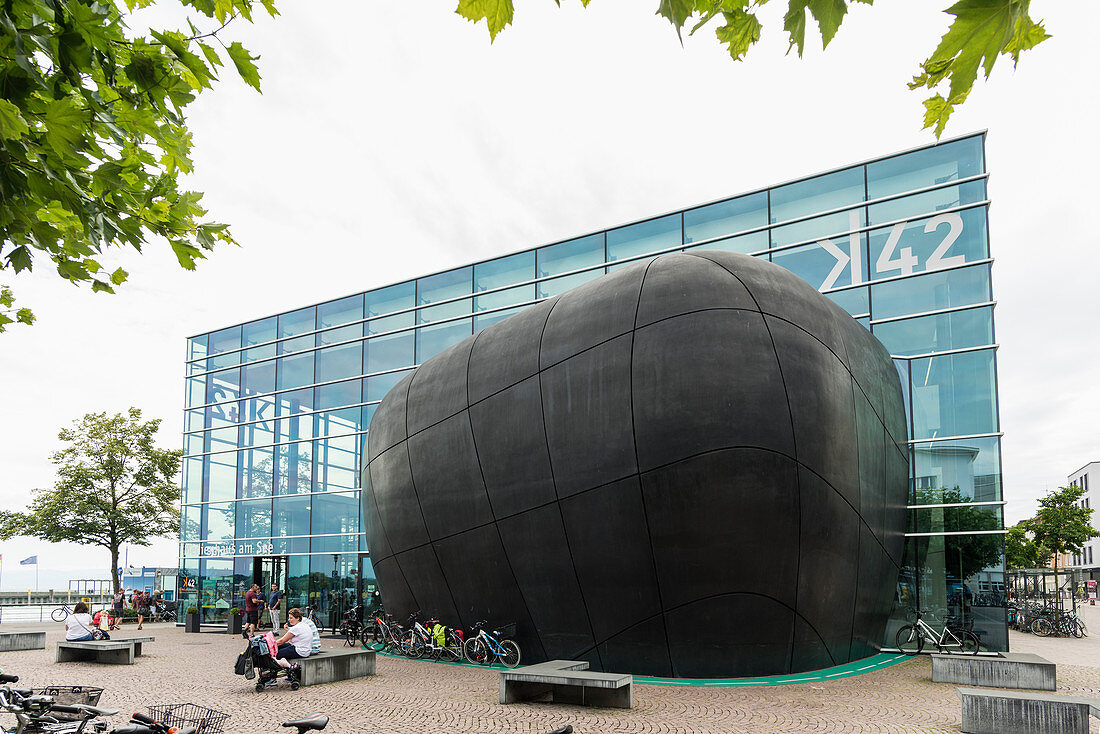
{"x":393,"y":140}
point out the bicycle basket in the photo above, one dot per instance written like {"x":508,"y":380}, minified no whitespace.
{"x":178,"y":715}
{"x":69,"y":695}
{"x":505,"y":631}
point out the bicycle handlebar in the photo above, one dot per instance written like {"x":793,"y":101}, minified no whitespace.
{"x":133,"y":729}
{"x":65,"y":709}
{"x":143,"y":718}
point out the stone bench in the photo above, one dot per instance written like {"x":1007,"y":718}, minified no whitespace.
{"x":567,"y":681}
{"x":992,"y":711}
{"x":332,"y":664}
{"x":22,"y":641}
{"x":116,"y":651}
{"x":1008,"y":670}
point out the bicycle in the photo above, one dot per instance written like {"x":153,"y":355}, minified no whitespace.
{"x":911,"y":638}
{"x":482,"y":647}
{"x":61,"y":613}
{"x":38,"y":713}
{"x":351,"y":628}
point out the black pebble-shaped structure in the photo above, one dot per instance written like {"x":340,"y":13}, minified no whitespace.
{"x":694,"y":466}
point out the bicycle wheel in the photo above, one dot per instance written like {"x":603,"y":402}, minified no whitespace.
{"x":416,"y":647}
{"x":59,"y":614}
{"x":970,"y":642}
{"x":910,"y":640}
{"x":510,"y":654}
{"x":1080,"y":627}
{"x":1042,"y":627}
{"x":351,"y":634}
{"x":475,"y":651}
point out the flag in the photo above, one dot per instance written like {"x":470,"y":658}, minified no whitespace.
{"x":33,"y":560}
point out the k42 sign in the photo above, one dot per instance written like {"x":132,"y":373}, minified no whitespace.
{"x":935,"y":242}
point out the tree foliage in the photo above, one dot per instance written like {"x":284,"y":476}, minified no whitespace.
{"x":982,"y":31}
{"x":963,"y":555}
{"x":1061,"y":525}
{"x":93,"y":136}
{"x":1021,"y":551}
{"x":113,"y":486}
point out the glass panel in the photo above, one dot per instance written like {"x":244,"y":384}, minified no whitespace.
{"x":226,"y":339}
{"x":297,"y":344}
{"x":260,"y":432}
{"x":902,"y":366}
{"x":726,"y":217}
{"x":502,"y":272}
{"x":224,"y":385}
{"x":336,"y":363}
{"x":368,"y":413}
{"x":193,"y":444}
{"x":348,"y":392}
{"x":745,"y":244}
{"x":939,"y":333}
{"x":931,"y":292}
{"x":343,"y":334}
{"x":190,"y":519}
{"x":436,"y":288}
{"x":295,"y":371}
{"x":258,"y":378}
{"x":509,"y":297}
{"x":954,"y":394}
{"x":391,"y":352}
{"x":339,"y":312}
{"x":336,"y":513}
{"x":377,"y":387}
{"x":294,"y":428}
{"x":221,"y":439}
{"x":336,"y":422}
{"x":290,"y":516}
{"x":824,"y":269}
{"x":259,"y":332}
{"x":855,"y":301}
{"x":192,"y":480}
{"x":221,"y":476}
{"x":227,"y":359}
{"x":337,"y":465}
{"x":335,"y":544}
{"x":944,"y":241}
{"x":195,"y":420}
{"x":555,"y":286}
{"x":196,"y":391}
{"x":928,"y":202}
{"x":385,"y":300}
{"x":254,"y":354}
{"x":817,"y":194}
{"x":431,"y":340}
{"x":481,"y":321}
{"x":829,"y":226}
{"x":575,"y":254}
{"x":216,"y":595}
{"x":957,"y":471}
{"x":294,"y":468}
{"x":644,"y":237}
{"x":298,"y":582}
{"x":196,"y":346}
{"x":221,"y":415}
{"x":297,"y":401}
{"x":297,"y":322}
{"x":940,"y":164}
{"x":254,"y":518}
{"x":256,"y":467}
{"x":217,"y":521}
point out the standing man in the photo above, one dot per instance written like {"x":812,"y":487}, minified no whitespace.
{"x":251,"y":611}
{"x":274,"y":603}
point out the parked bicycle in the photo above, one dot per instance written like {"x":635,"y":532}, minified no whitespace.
{"x":40,"y":714}
{"x":351,"y":628}
{"x":912,"y":637}
{"x":484,"y":647}
{"x":61,"y":613}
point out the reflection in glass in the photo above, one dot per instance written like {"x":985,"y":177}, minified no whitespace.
{"x":391,"y":352}
{"x":376,"y":387}
{"x":294,"y":468}
{"x":190,"y":522}
{"x":254,"y":518}
{"x":954,"y":394}
{"x":855,"y":301}
{"x":970,"y":469}
{"x":225,"y":340}
{"x":564,"y":257}
{"x":910,"y":207}
{"x":817,"y":194}
{"x":339,"y":312}
{"x":442,"y":287}
{"x":290,"y":516}
{"x":337,"y":363}
{"x":936,"y":243}
{"x":431,"y":340}
{"x":217,"y":521}
{"x":644,"y":237}
{"x":938,"y":332}
{"x":726,"y":217}
{"x":337,"y":464}
{"x":256,"y":468}
{"x":296,"y":371}
{"x":297,"y":322}
{"x":348,"y":392}
{"x":823,"y":269}
{"x":940,"y":164}
{"x":259,"y":332}
{"x":931,"y":292}
{"x":221,"y":476}
{"x":258,"y":378}
{"x":341,"y":334}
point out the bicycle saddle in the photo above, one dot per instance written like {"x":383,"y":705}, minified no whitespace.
{"x":313,"y":721}
{"x":94,"y":710}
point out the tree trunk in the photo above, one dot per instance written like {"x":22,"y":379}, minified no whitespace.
{"x":115,"y":580}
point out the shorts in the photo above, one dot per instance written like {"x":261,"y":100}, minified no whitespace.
{"x":252,"y":617}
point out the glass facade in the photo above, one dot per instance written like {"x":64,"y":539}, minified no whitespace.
{"x":277,"y":409}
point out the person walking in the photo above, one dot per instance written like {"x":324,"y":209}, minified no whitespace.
{"x":274,"y":603}
{"x":118,"y":604}
{"x":252,"y":599}
{"x":141,"y":602}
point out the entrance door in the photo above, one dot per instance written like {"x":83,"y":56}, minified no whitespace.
{"x":268,"y":570}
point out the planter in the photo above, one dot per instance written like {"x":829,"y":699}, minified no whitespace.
{"x":191,"y":624}
{"x":234,"y":624}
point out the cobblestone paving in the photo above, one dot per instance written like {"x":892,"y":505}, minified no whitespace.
{"x":412,"y":696}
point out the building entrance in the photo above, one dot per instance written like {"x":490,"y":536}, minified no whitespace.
{"x":268,"y":570}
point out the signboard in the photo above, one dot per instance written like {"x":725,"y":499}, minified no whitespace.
{"x":238,"y":548}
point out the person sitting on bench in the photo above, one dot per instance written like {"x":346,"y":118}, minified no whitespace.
{"x":78,"y":625}
{"x":297,"y":642}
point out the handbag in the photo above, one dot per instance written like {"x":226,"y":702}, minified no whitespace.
{"x":98,"y":634}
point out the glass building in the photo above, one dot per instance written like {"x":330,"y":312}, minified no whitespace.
{"x":277,"y":409}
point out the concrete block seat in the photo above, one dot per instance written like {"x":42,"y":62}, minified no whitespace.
{"x":116,"y":651}
{"x":332,"y":664}
{"x":567,"y":681}
{"x":22,"y":641}
{"x":1007,"y":670}
{"x":993,"y":711}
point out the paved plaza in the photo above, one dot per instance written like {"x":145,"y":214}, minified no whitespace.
{"x":416,"y":696}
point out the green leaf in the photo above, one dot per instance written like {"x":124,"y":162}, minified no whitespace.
{"x":178,"y":45}
{"x":243,"y":61}
{"x":829,"y":14}
{"x":740,"y":32}
{"x":119,"y":276}
{"x":20,"y":259}
{"x":12,"y":124}
{"x":65,"y":125}
{"x":677,"y":12}
{"x":497,"y":13}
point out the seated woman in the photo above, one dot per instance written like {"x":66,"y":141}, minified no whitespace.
{"x":297,"y":642}
{"x":78,"y":625}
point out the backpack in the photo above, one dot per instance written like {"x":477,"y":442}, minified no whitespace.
{"x":439,"y":634}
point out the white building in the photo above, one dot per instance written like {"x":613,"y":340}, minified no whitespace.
{"x":1086,"y":559}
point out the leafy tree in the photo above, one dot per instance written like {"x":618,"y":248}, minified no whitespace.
{"x":981,"y":31}
{"x":964,"y":555}
{"x":93,"y":136}
{"x":113,"y":486}
{"x":1021,"y":551}
{"x":1061,"y":525}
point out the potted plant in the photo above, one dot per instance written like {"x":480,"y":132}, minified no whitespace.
{"x":234,"y":622}
{"x":192,"y":621}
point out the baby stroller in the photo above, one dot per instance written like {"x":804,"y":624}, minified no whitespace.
{"x":258,"y":656}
